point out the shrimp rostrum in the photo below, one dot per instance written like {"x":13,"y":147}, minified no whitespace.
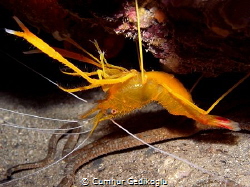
{"x":127,"y":90}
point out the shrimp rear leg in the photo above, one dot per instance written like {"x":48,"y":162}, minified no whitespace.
{"x":227,"y":92}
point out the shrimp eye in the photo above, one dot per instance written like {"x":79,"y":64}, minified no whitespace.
{"x":112,"y":111}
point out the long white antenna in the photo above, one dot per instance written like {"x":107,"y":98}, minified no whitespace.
{"x":36,"y":116}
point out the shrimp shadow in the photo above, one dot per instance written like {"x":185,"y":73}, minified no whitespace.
{"x":217,"y":136}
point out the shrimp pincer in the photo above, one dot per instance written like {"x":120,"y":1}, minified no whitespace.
{"x":129,"y":90}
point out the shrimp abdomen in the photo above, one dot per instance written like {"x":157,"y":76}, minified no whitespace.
{"x":176,"y":99}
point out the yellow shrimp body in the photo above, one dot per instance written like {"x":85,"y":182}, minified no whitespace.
{"x":160,"y":87}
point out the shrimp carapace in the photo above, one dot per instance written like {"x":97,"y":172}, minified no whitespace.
{"x":128,"y":90}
